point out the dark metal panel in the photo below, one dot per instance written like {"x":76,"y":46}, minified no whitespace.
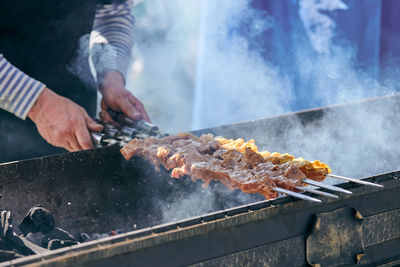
{"x":290,"y":252}
{"x":381,"y":228}
{"x":235,"y":235}
{"x":97,"y":190}
{"x":335,"y":238}
{"x":382,"y":253}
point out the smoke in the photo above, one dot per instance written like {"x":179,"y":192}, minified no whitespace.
{"x":318,"y":25}
{"x":201,"y":201}
{"x":358,"y":141}
{"x":165,"y":54}
{"x":233,"y":80}
{"x":200,"y":64}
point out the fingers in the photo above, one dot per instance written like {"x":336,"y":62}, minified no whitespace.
{"x":82,"y":133}
{"x":79,"y":137}
{"x":68,"y":147}
{"x":126,"y":103}
{"x":92,"y":125}
{"x":83,"y":138}
{"x":129,"y":109}
{"x":73,"y":144}
{"x":63,"y":137}
{"x":103,"y":104}
{"x":63,"y":123}
{"x":139,"y":107}
{"x":105,"y":116}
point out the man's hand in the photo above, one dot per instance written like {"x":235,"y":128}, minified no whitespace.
{"x":62,"y":123}
{"x":118,"y":98}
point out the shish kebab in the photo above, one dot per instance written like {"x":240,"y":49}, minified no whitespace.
{"x":235,"y":163}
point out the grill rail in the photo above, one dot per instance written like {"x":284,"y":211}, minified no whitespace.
{"x":245,"y":234}
{"x":97,"y":190}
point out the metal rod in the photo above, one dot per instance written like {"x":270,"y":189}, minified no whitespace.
{"x":326,"y":186}
{"x":294,"y":194}
{"x":354,"y":180}
{"x":314,"y":191}
{"x":110,"y":141}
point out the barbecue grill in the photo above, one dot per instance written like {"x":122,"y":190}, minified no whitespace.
{"x":98,"y":191}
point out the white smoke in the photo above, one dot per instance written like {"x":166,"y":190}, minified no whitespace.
{"x":197,"y":65}
{"x":318,"y":25}
{"x":233,"y":81}
{"x":165,"y":55}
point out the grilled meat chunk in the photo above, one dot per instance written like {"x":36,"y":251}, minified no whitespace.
{"x":234,"y":163}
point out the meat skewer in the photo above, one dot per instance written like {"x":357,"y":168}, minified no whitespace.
{"x":315,"y":170}
{"x":207,"y":159}
{"x":326,"y":186}
{"x":354,"y":180}
{"x":315,"y":191}
{"x":297,"y":195}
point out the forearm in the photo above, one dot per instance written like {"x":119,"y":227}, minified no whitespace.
{"x":111,"y":40}
{"x":18,"y":91}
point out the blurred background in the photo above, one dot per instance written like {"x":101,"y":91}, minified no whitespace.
{"x":203,"y":63}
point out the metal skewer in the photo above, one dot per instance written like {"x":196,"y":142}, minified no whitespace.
{"x":294,"y":194}
{"x":315,"y":191}
{"x":326,"y":186}
{"x":354,"y":180}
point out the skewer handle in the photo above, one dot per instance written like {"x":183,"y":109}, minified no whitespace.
{"x":315,"y":191}
{"x":354,"y":180}
{"x":326,"y":186}
{"x":294,"y":194}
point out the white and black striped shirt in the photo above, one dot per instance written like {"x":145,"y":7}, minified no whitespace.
{"x":113,"y":25}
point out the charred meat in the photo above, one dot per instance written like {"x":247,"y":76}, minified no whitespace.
{"x":235,"y":163}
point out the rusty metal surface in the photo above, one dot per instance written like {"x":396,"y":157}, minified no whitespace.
{"x":238,"y":238}
{"x":290,"y":252}
{"x":381,"y":228}
{"x":91,"y":190}
{"x":76,"y":187}
{"x":335,"y":238}
{"x":95,"y":191}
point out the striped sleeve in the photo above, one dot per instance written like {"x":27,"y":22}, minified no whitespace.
{"x":18,"y":91}
{"x":111,"y":40}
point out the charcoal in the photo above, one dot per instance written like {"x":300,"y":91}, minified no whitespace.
{"x":25,"y":246}
{"x":40,"y":234}
{"x":119,"y":231}
{"x":35,"y":238}
{"x":4,"y":245}
{"x":6,"y":225}
{"x":38,"y":219}
{"x":97,"y":236}
{"x":11,"y":242}
{"x":58,"y":234}
{"x":84,"y":237}
{"x":39,"y":227}
{"x":57,"y":243}
{"x":7,"y":255}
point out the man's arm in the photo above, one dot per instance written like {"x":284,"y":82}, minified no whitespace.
{"x":60,"y":121}
{"x":18,"y":91}
{"x":111,"y":45}
{"x":112,"y":38}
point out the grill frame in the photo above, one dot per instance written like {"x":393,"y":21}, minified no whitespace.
{"x":227,"y":232}
{"x":50,"y":180}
